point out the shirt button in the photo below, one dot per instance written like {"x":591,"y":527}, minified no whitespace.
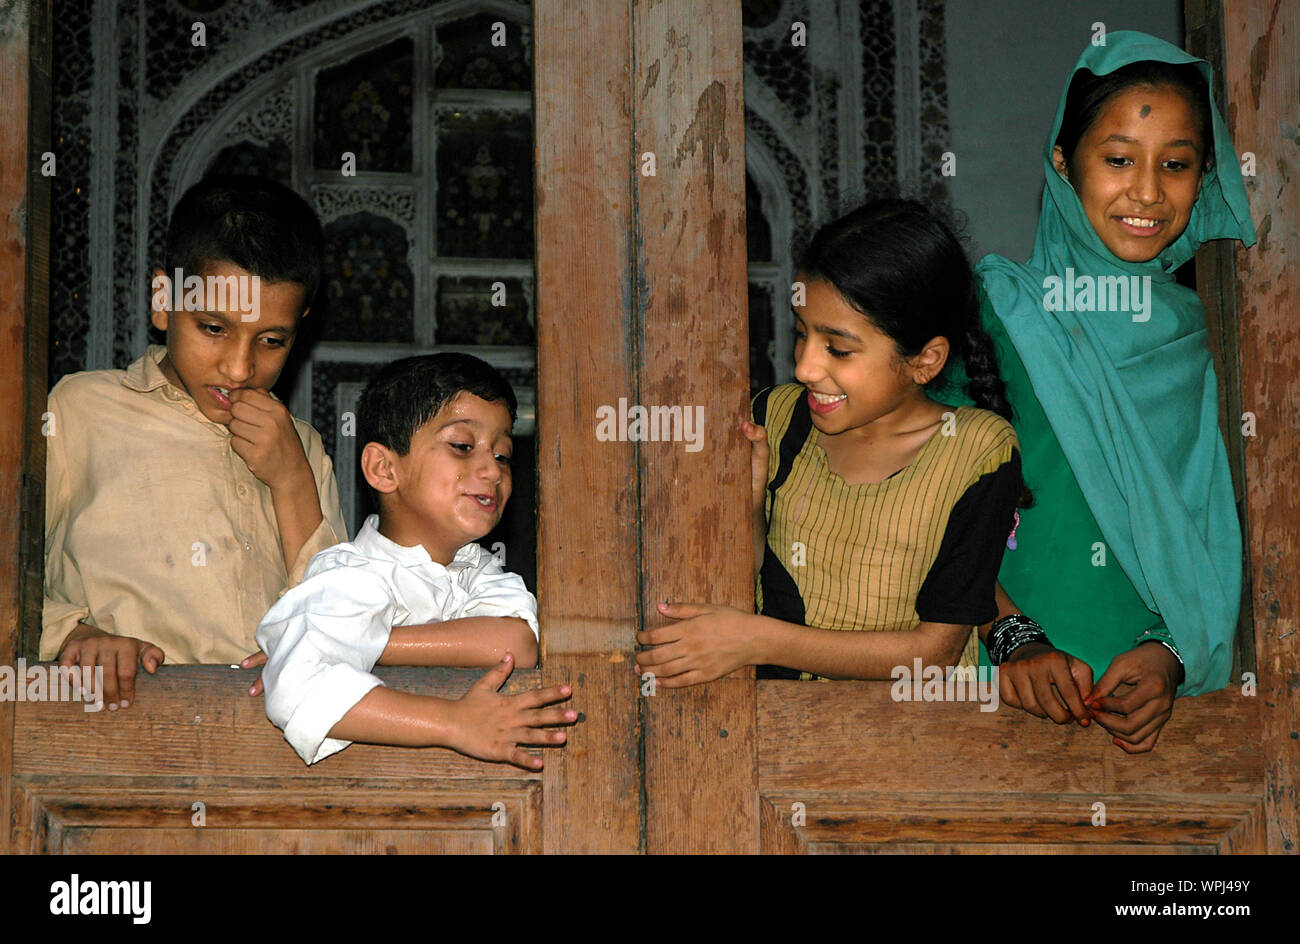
{"x":243,"y":489}
{"x":247,"y":546}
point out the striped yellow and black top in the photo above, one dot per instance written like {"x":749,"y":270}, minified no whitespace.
{"x":924,"y":544}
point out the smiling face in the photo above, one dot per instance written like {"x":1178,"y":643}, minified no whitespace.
{"x":1137,"y":170}
{"x":212,"y":352}
{"x":453,"y":483}
{"x":853,"y":371}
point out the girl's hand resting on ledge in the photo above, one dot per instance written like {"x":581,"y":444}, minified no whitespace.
{"x":709,"y":642}
{"x":1150,"y":675}
{"x":1046,"y":682}
{"x":1051,"y":683}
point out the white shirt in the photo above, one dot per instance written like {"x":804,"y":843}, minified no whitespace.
{"x":325,"y":635}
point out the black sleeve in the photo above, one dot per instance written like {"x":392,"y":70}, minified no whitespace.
{"x":959,"y":587}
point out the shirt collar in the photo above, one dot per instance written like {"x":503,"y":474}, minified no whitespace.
{"x":373,"y":544}
{"x":145,"y":374}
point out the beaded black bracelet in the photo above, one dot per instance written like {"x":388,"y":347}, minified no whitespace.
{"x":1010,"y":633}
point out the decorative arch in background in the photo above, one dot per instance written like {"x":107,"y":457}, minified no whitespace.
{"x":149,"y":108}
{"x":820,"y":132}
{"x":396,"y":261}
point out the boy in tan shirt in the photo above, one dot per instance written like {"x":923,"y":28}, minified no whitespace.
{"x":182,"y":498}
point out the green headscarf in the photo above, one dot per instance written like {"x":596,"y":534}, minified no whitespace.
{"x":1134,"y":403}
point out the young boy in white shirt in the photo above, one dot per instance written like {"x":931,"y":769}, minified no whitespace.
{"x":413,"y":588}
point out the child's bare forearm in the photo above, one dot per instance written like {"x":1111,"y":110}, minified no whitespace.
{"x":482,"y":724}
{"x":385,"y":716}
{"x":297,"y":513}
{"x":473,"y":641}
{"x":857,"y":655}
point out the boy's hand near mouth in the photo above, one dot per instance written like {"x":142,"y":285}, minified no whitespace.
{"x":263,"y":435}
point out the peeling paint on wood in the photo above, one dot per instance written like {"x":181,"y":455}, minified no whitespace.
{"x":1260,"y":48}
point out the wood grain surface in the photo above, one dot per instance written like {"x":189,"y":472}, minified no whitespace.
{"x":1262,"y":51}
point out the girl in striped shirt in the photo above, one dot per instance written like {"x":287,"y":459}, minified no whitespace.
{"x":881,"y":513}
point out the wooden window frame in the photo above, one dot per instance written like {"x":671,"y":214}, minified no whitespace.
{"x":717,"y":767}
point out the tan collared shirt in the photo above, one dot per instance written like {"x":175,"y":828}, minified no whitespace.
{"x":154,"y":527}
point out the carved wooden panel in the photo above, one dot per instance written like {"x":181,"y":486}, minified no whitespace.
{"x":844,"y":768}
{"x":876,"y":823}
{"x":197,"y":768}
{"x":253,"y":815}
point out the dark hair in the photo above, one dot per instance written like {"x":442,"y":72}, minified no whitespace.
{"x":405,"y":394}
{"x":259,"y":225}
{"x":1089,"y":93}
{"x":901,"y":265}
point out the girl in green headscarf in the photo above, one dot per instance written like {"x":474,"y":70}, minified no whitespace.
{"x":1131,"y":553}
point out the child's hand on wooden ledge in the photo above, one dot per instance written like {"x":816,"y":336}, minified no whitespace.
{"x":1151,"y":674}
{"x":709,"y":642}
{"x":1046,"y":682}
{"x":491,"y":726}
{"x":255,"y":661}
{"x":120,"y":656}
{"x":483,"y":723}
